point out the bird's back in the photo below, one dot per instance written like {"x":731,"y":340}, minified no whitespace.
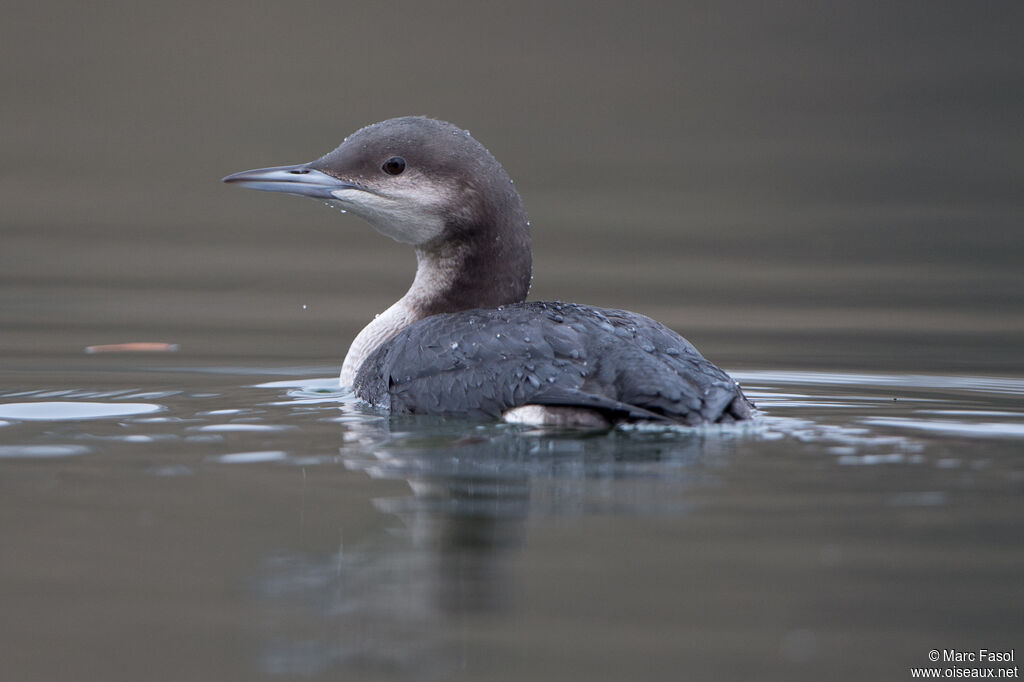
{"x":484,"y":362}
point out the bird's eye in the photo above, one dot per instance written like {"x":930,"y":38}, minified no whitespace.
{"x":394,"y":165}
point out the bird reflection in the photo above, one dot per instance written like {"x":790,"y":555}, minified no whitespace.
{"x":472,"y":498}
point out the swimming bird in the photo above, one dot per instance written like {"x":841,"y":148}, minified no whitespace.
{"x":462,"y":341}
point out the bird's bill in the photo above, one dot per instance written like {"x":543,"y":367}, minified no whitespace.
{"x":300,"y":180}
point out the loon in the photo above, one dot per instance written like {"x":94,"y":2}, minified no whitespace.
{"x":463,"y":342}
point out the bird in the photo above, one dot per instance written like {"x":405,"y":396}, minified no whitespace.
{"x":463,"y":342}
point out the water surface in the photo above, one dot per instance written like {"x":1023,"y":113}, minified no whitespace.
{"x":259,"y":527}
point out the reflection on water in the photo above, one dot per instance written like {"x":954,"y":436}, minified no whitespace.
{"x":451,"y":543}
{"x":471,"y":488}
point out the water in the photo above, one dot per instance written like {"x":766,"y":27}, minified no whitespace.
{"x":260,"y":528}
{"x":825,"y":199}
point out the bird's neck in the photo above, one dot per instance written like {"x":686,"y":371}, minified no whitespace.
{"x":459,"y":275}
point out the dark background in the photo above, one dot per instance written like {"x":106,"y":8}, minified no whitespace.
{"x":792,"y":184}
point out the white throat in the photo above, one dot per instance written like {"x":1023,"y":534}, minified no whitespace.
{"x":433,"y":276}
{"x":384,"y":326}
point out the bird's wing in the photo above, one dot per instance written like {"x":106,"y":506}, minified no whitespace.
{"x":485,"y":362}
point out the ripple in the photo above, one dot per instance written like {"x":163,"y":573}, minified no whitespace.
{"x":251,"y":457}
{"x":974,"y":413}
{"x":222,"y":428}
{"x":931,"y":498}
{"x":871,"y":460}
{"x":41,"y":451}
{"x":1006,"y":385}
{"x":69,"y":411}
{"x":170,"y":470}
{"x":312,"y":391}
{"x":330,"y":384}
{"x":70,"y":394}
{"x":951,"y":427}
